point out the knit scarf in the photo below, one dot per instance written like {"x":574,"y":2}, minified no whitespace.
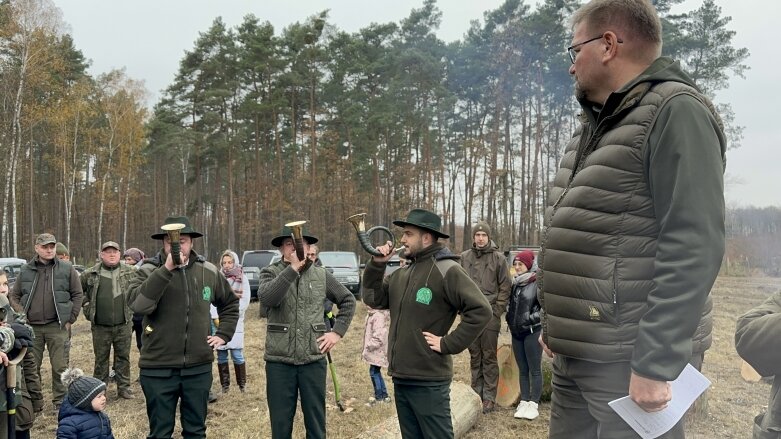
{"x":234,"y":274}
{"x":525,"y":278}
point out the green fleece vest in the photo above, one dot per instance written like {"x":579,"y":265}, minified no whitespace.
{"x":295,"y":325}
{"x":602,"y":229}
{"x":63,"y":304}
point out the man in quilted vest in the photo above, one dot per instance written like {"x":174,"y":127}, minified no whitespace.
{"x":634,"y":233}
{"x":48,"y":291}
{"x":297,"y":339}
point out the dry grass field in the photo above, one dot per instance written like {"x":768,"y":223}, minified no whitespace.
{"x":731,"y":406}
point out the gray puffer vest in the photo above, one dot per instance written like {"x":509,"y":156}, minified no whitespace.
{"x":63,"y":304}
{"x":599,"y":241}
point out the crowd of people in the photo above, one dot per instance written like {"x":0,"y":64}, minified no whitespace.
{"x":631,"y":244}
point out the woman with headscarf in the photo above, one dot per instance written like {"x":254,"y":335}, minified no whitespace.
{"x":229,"y":262}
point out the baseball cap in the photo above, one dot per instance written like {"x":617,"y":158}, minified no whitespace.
{"x":108,"y":244}
{"x":45,"y":238}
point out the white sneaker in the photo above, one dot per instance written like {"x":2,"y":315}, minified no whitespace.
{"x":521,"y":410}
{"x":531,"y":411}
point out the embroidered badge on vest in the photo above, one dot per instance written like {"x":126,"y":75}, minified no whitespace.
{"x":593,"y":313}
{"x":424,"y":296}
{"x":207,"y":293}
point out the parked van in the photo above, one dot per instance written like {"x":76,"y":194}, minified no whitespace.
{"x":346,"y":268}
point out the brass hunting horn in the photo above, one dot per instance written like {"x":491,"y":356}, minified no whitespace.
{"x":297,"y":230}
{"x":364,"y":236}
{"x":173,"y":234}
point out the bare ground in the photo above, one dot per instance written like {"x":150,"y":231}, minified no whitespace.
{"x":728,"y":413}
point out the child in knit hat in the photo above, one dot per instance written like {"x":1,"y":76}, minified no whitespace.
{"x":81,"y":414}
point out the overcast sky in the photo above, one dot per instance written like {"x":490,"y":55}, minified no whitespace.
{"x":148,"y":38}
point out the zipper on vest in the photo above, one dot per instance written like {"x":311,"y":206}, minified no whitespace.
{"x":616,"y":312}
{"x":54,"y":297}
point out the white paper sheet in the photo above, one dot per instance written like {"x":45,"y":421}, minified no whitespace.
{"x":686,"y":389}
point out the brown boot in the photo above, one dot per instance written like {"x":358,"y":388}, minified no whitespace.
{"x":241,"y":375}
{"x":225,"y":376}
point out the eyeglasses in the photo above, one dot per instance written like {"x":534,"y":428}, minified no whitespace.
{"x":573,"y":54}
{"x":311,"y":254}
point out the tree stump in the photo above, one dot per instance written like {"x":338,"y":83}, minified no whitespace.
{"x":465,"y":409}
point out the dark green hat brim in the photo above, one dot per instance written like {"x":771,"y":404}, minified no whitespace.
{"x":277,"y":242}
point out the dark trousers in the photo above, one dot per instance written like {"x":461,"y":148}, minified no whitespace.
{"x":380,"y":391}
{"x":579,"y":405}
{"x":528,"y":356}
{"x":284,"y":382}
{"x":423,"y":411}
{"x":163,"y":388}
{"x":483,"y":363}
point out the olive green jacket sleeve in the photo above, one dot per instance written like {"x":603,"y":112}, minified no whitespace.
{"x":375,"y":285}
{"x":344,"y":300}
{"x":757,"y":336}
{"x":685,"y":169}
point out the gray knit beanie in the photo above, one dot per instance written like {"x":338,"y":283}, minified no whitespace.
{"x":81,"y":389}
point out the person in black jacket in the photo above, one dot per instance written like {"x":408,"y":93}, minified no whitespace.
{"x":523,"y":319}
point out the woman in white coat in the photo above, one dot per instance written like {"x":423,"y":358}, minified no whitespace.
{"x":232,"y":271}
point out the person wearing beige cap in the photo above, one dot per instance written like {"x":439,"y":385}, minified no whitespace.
{"x":48,"y":291}
{"x":106,"y":288}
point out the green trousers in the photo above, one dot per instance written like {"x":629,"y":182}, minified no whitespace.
{"x":284,"y":382}
{"x":423,"y":410}
{"x":484,"y":365}
{"x":50,"y":336}
{"x":103,"y":339}
{"x":164,"y":388}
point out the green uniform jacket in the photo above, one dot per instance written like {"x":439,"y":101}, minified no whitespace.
{"x":634,"y":235}
{"x":295,"y":311}
{"x":175,"y":306}
{"x":488,"y":268}
{"x":90,"y":281}
{"x":757,"y":341}
{"x":415,"y":309}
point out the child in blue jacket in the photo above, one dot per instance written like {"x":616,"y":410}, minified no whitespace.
{"x":81,"y":413}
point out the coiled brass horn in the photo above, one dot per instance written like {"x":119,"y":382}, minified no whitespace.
{"x":297,"y":231}
{"x":364,"y":236}
{"x":173,"y":234}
